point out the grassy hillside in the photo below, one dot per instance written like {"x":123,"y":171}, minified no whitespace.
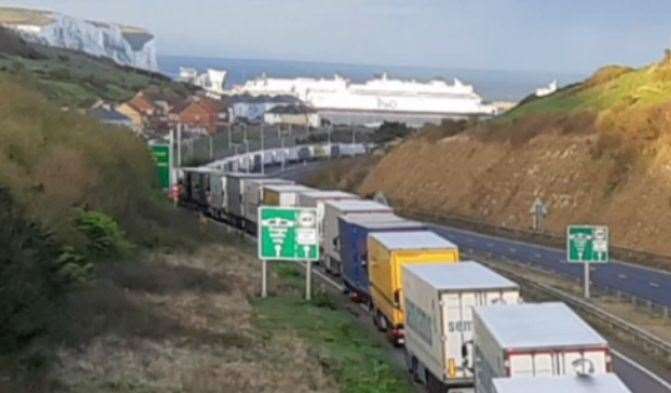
{"x":597,"y":151}
{"x":74,"y":79}
{"x":76,"y":196}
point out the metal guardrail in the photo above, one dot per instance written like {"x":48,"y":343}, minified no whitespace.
{"x":637,"y":335}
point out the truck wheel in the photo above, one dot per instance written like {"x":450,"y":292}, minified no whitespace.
{"x":413,"y":370}
{"x":383,"y":325}
{"x":433,"y":385}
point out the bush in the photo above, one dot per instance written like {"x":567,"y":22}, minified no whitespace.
{"x":105,"y":239}
{"x":30,"y":289}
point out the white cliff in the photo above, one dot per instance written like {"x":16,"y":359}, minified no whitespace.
{"x":125,"y":45}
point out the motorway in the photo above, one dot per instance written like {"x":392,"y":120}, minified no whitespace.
{"x":640,"y":281}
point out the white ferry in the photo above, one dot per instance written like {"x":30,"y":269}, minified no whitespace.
{"x":382,"y":94}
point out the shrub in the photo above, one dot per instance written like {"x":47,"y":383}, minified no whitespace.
{"x":105,"y":239}
{"x":30,"y":290}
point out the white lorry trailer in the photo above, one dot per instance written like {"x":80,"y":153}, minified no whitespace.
{"x":317,"y":198}
{"x":253,"y":196}
{"x":535,"y":340}
{"x":439,"y":301}
{"x":333,"y":210}
{"x":606,"y":383}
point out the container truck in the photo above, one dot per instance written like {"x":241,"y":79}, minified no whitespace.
{"x":317,"y":198}
{"x":236,"y":183}
{"x":196,"y":183}
{"x":535,"y":340}
{"x":253,"y":196}
{"x":283,"y":195}
{"x":354,"y":230}
{"x":606,"y":383}
{"x":333,"y":210}
{"x":388,"y":253}
{"x":439,"y":301}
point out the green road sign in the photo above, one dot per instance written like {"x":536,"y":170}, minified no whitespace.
{"x":587,"y":244}
{"x":161,"y":154}
{"x":288,"y":234}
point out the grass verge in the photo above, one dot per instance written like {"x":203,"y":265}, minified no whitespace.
{"x":352,"y":354}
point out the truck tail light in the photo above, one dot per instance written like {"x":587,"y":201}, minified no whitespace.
{"x":451,"y":368}
{"x":397,"y":297}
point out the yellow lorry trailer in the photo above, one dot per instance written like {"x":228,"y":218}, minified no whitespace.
{"x":388,"y":253}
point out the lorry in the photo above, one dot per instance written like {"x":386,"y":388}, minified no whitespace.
{"x":282,"y":195}
{"x":354,"y":230}
{"x":317,"y":198}
{"x":333,"y":210}
{"x":606,"y":383}
{"x":535,"y":340}
{"x":388,"y":254}
{"x":236,"y":183}
{"x":253,"y":196}
{"x":439,"y":301}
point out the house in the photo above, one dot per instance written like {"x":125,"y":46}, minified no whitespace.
{"x":200,"y":115}
{"x":251,"y":109}
{"x":297,"y":115}
{"x":108,"y":115}
{"x":139,"y":109}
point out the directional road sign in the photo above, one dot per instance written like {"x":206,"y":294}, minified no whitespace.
{"x":161,"y":154}
{"x":288,"y":234}
{"x":587,"y":244}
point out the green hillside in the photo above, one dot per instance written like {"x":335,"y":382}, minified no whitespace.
{"x":611,"y":87}
{"x":74,"y":79}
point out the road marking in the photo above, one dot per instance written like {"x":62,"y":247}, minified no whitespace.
{"x":537,"y":255}
{"x":490,"y":244}
{"x":642,"y":369}
{"x":513,"y":249}
{"x":622,"y":276}
{"x":654,"y":285}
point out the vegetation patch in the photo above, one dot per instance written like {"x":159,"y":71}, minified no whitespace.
{"x":348,"y":351}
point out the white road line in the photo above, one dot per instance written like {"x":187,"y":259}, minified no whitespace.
{"x":654,"y":285}
{"x":537,"y":255}
{"x":642,"y":369}
{"x":513,"y":249}
{"x":490,"y":244}
{"x":622,"y":276}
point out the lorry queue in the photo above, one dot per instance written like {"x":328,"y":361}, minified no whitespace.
{"x":463,"y":326}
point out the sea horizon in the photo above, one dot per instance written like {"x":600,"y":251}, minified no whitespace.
{"x":492,"y":85}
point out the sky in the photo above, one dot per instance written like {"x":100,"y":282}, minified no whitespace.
{"x":570,"y":36}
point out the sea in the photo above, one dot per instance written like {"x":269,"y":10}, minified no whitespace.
{"x":492,"y":85}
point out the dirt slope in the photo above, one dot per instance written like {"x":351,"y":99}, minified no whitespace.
{"x":597,"y":152}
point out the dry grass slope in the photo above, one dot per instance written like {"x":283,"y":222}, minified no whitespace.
{"x":183,"y":323}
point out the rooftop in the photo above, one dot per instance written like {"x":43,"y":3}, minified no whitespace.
{"x":321,"y":194}
{"x":354,"y":205}
{"x":538,"y":325}
{"x":416,"y":240}
{"x":291,"y":110}
{"x":463,"y":275}
{"x":286,"y":187}
{"x":605,"y":383}
{"x":104,"y":114}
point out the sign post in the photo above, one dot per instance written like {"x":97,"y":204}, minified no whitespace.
{"x":587,"y":244}
{"x":288,"y":234}
{"x":538,"y":210}
{"x":163,"y":159}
